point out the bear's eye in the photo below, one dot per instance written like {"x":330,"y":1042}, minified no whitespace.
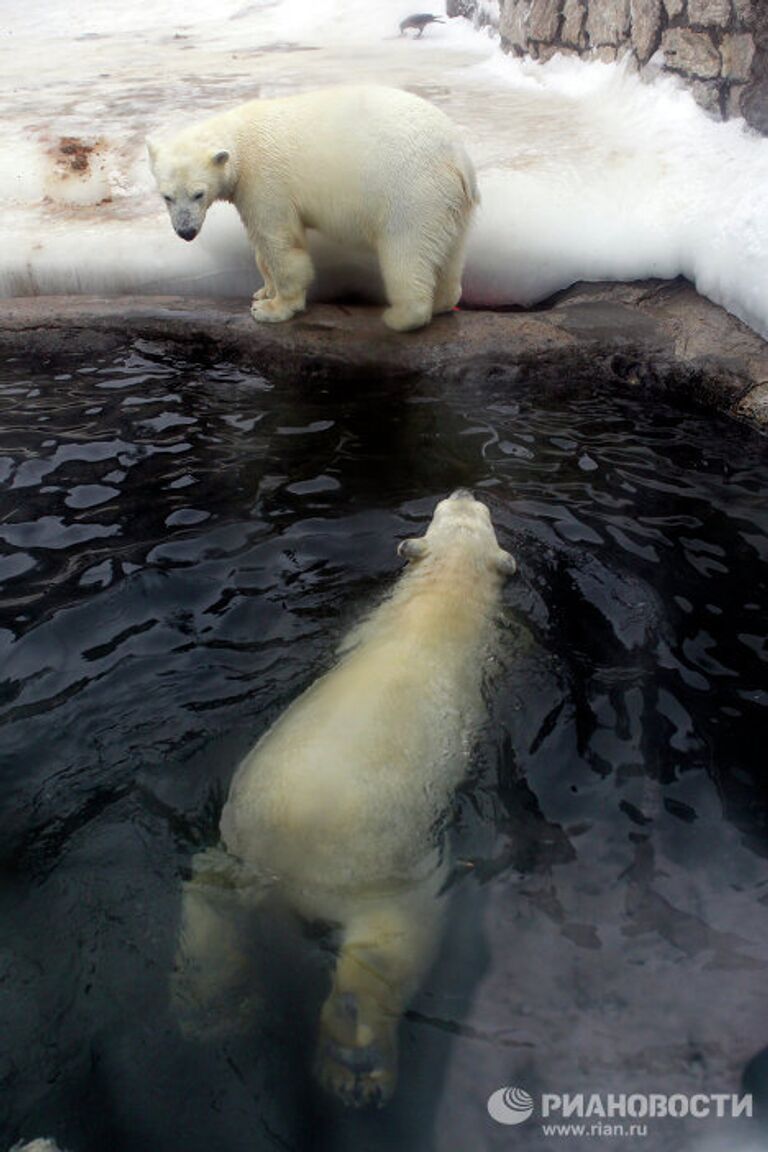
{"x":198,"y":195}
{"x":168,"y":199}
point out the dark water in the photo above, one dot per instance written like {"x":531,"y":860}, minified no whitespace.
{"x":180,"y":550}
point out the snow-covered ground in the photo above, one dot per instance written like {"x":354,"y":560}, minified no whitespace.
{"x":586,"y":172}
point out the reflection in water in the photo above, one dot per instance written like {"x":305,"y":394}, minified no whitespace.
{"x":181,"y":550}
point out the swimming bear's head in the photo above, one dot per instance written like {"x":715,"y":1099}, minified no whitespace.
{"x":460,"y":523}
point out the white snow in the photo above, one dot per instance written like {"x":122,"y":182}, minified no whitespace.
{"x":586,"y":171}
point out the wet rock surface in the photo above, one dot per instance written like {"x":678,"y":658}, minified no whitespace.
{"x":651,"y":334}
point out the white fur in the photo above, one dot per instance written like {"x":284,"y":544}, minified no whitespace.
{"x":338,"y":802}
{"x":370,"y":167}
{"x":43,"y":1144}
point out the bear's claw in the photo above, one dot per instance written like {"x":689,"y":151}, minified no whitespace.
{"x":359,"y":1077}
{"x":275,"y":310}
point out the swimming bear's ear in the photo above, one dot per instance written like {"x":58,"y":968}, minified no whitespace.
{"x":152,"y":150}
{"x":414,"y":549}
{"x":219,"y":158}
{"x":506,"y":563}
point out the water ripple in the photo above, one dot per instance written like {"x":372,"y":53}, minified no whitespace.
{"x":183,"y":546}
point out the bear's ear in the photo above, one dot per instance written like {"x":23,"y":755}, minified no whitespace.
{"x":220,"y":158}
{"x":506,"y":563}
{"x":152,"y":150}
{"x":414,"y":549}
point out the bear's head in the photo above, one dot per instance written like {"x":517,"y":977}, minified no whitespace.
{"x":189,"y":178}
{"x":460,"y":524}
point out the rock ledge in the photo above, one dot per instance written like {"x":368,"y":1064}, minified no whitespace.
{"x":653,"y":333}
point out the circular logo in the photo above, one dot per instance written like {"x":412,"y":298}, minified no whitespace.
{"x":510,"y":1106}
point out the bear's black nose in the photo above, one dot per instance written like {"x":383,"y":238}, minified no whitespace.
{"x":187,"y":233}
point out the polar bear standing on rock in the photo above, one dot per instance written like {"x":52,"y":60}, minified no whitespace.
{"x":339,"y":804}
{"x":370,"y":167}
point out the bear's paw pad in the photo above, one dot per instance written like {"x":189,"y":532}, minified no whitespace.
{"x":359,"y":1077}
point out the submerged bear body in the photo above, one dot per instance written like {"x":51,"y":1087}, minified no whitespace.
{"x":340,"y":800}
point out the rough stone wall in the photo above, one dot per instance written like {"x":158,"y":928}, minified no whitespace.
{"x":482,"y":12}
{"x":720,"y":47}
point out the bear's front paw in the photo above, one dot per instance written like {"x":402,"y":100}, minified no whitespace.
{"x":206,"y":1013}
{"x":273,"y":311}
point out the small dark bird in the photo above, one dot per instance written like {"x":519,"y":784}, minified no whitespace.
{"x":420,"y":21}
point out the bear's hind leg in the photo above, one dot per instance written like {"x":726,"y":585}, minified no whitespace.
{"x":211,"y":984}
{"x":448,"y":284}
{"x":290,"y":273}
{"x":409,"y":282}
{"x":383,"y":956}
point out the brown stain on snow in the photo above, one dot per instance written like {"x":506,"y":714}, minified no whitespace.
{"x":73,"y":160}
{"x":73,"y":156}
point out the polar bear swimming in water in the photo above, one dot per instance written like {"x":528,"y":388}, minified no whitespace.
{"x":373,"y":168}
{"x":339,"y":802}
